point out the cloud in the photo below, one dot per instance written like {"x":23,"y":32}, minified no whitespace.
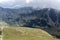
{"x":7,"y":3}
{"x":34,"y":3}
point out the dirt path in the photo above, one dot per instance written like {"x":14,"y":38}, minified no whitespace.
{"x":0,"y":37}
{"x":1,"y":33}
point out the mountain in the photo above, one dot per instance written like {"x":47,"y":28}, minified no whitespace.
{"x":47,"y":19}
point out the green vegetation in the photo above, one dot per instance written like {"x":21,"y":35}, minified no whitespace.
{"x":23,"y":33}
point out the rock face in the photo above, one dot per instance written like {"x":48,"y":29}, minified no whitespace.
{"x":47,"y":19}
{"x":0,"y":34}
{"x":0,"y":31}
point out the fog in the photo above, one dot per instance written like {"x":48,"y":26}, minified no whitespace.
{"x":33,"y":3}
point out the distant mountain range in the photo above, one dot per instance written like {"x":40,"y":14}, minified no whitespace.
{"x":47,"y":18}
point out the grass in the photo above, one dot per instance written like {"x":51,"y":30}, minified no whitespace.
{"x":23,"y":33}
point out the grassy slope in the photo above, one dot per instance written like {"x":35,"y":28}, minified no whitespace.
{"x":22,"y":33}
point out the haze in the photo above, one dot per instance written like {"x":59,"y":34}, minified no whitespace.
{"x":33,"y":3}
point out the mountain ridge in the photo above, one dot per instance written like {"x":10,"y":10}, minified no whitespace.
{"x":47,"y":18}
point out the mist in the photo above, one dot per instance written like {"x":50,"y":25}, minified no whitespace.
{"x":33,"y":3}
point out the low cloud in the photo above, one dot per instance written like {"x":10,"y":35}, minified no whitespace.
{"x":35,"y":3}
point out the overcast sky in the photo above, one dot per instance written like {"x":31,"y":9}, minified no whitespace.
{"x":33,"y":3}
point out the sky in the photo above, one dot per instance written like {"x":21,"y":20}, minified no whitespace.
{"x":33,"y":3}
